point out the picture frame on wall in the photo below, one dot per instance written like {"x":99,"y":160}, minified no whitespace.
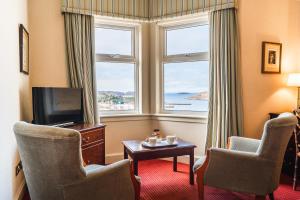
{"x":271,"y":58}
{"x":24,"y":49}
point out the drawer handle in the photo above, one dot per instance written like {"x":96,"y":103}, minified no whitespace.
{"x":86,"y":139}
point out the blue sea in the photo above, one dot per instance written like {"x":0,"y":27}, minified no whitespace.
{"x":180,"y":102}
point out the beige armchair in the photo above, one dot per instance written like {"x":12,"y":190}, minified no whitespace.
{"x":249,"y":165}
{"x":52,"y":164}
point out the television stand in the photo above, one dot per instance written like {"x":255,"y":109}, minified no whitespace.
{"x":92,"y":142}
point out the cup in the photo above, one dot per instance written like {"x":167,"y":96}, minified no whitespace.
{"x":171,"y":139}
{"x":152,"y":141}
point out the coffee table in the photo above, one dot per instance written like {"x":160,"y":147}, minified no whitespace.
{"x":137,"y":152}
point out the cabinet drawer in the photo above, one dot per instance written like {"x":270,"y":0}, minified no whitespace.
{"x":94,"y":154}
{"x":92,"y":136}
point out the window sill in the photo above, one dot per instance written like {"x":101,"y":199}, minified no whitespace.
{"x":158,"y":117}
{"x":202,"y":119}
{"x":124,"y":117}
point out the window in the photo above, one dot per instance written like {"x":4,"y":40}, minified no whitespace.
{"x":116,"y":69}
{"x":185,"y":68}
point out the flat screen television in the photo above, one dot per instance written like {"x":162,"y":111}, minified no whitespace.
{"x":57,"y":106}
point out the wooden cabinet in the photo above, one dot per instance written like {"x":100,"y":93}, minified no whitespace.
{"x":92,"y":143}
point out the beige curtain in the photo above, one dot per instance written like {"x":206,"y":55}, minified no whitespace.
{"x":145,"y":10}
{"x":79,"y":31}
{"x":161,"y":9}
{"x":225,"y":103}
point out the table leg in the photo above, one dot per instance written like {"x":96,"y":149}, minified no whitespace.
{"x":191,"y":167}
{"x":135,"y":167}
{"x":175,"y":163}
{"x":125,"y":153}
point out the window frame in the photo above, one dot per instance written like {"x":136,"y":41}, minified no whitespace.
{"x":117,"y":58}
{"x":177,"y":58}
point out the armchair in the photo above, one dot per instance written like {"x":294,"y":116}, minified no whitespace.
{"x":249,"y":165}
{"x":53,"y":167}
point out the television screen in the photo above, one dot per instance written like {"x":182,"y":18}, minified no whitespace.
{"x":52,"y":106}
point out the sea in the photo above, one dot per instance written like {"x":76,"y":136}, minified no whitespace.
{"x":180,"y":102}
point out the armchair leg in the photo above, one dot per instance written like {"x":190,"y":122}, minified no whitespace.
{"x":200,"y":184}
{"x":258,"y":197}
{"x":200,"y":177}
{"x":271,"y":196}
{"x":136,"y":184}
{"x":295,"y":174}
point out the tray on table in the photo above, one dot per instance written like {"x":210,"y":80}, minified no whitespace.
{"x":160,"y":144}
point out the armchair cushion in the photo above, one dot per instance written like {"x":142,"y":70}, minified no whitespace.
{"x":244,"y":144}
{"x":107,"y":182}
{"x":199,"y":163}
{"x":138,"y":179}
{"x":90,"y":168}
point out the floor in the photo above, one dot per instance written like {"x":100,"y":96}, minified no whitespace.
{"x":159,"y":182}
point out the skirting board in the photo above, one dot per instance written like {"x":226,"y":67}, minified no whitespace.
{"x":114,"y":157}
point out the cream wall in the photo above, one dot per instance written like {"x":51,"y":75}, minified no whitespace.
{"x":47,"y":44}
{"x":118,"y":129}
{"x":274,"y":21}
{"x":194,"y":132}
{"x":14,"y":93}
{"x":259,"y":20}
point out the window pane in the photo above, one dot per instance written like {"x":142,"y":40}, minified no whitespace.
{"x":115,"y":86}
{"x":186,"y":86}
{"x":113,"y":41}
{"x":187,"y":40}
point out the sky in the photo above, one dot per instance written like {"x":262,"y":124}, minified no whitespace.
{"x":115,"y":77}
{"x":189,"y":77}
{"x":112,"y":41}
{"x":187,"y":40}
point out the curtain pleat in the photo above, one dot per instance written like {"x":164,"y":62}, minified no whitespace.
{"x":225,"y":116}
{"x":79,"y":31}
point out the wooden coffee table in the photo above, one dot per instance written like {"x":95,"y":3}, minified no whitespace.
{"x":134,"y":149}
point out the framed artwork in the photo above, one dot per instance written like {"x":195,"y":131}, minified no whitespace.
{"x":24,"y":49}
{"x":271,"y":58}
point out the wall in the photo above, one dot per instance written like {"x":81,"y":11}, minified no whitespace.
{"x":47,"y":47}
{"x":192,"y":131}
{"x":126,"y":128}
{"x":275,"y":21}
{"x":259,"y":20}
{"x":14,"y":93}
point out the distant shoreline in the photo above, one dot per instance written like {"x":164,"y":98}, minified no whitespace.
{"x":195,"y":96}
{"x":199,"y":96}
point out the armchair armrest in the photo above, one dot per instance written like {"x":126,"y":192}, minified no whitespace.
{"x":108,"y":182}
{"x":243,"y":144}
{"x":219,"y":154}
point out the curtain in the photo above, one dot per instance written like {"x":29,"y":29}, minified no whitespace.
{"x":144,"y":10}
{"x":225,"y":116}
{"x":161,"y":9}
{"x":79,"y":31}
{"x":130,"y":9}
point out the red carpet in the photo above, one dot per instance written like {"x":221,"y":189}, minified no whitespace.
{"x":159,"y":182}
